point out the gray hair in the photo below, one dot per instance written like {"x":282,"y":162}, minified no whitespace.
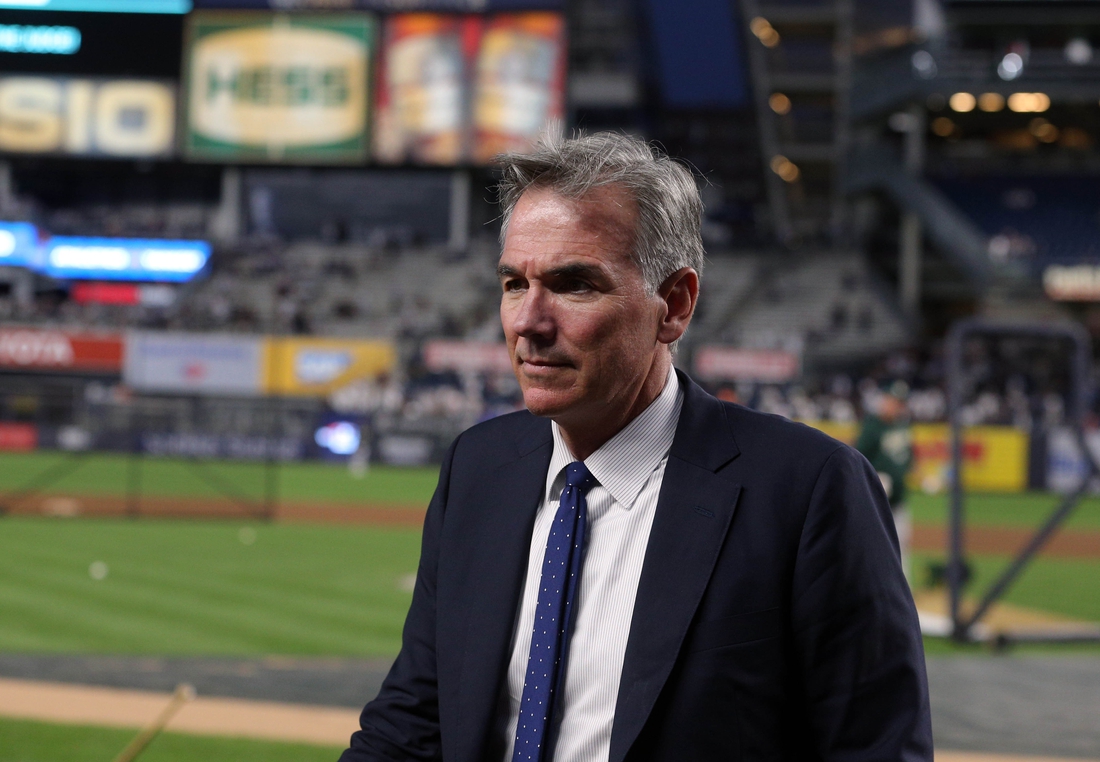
{"x":667,"y":236}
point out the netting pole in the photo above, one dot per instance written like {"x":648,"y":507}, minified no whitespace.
{"x":271,"y":464}
{"x":133,"y":467}
{"x":956,"y":562}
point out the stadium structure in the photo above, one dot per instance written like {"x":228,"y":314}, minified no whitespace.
{"x":267,"y":231}
{"x":873,"y":171}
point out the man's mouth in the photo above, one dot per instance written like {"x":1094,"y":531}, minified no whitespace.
{"x":539,"y":363}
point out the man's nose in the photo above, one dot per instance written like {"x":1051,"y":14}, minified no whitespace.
{"x":533,"y":316}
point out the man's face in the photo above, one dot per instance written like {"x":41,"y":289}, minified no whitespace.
{"x":580,"y":324}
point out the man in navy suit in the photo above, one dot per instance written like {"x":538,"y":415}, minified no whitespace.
{"x":712,"y":584}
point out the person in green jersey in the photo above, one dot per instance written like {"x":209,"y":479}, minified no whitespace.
{"x":886,"y":441}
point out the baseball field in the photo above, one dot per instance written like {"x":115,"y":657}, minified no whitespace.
{"x":330,"y":578}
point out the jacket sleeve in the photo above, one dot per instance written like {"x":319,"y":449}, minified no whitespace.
{"x":402,"y":723}
{"x":855,"y":629}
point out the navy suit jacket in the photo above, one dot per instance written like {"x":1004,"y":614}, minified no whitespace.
{"x":772,"y":620}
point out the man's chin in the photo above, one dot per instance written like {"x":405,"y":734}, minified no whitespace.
{"x":547,"y":403}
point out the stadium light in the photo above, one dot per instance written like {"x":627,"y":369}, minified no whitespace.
{"x":1010,"y":67}
{"x":1078,"y":51}
{"x":1043,"y":130}
{"x":943,"y":127}
{"x":963,"y":102}
{"x":1029,"y":103}
{"x":780,"y":103}
{"x":764,"y":31}
{"x":924,"y":64}
{"x":991,"y":102}
{"x":785,"y":168}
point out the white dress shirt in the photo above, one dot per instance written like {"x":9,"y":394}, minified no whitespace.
{"x":629,"y":469}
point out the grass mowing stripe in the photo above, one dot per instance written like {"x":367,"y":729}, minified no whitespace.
{"x":192,"y":587}
{"x":1027,"y":509}
{"x":1066,"y":586}
{"x":28,"y":741}
{"x":225,"y":604}
{"x":107,"y":474}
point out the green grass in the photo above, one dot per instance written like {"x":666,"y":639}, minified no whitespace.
{"x":1070,"y":587}
{"x":25,"y":741}
{"x":103,"y":474}
{"x":1067,"y":586}
{"x":1026,"y":509}
{"x":178,"y":587}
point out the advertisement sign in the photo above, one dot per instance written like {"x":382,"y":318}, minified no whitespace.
{"x":149,"y":295}
{"x":421,"y":96}
{"x":32,"y":349}
{"x":192,"y":363}
{"x":454,"y":89}
{"x":1065,"y":461}
{"x":130,"y":259}
{"x":994,"y":458}
{"x":222,"y":447}
{"x":467,"y":356}
{"x":318,"y":366}
{"x":18,"y":437}
{"x":766,"y":366}
{"x":87,"y":117}
{"x":274,"y":87}
{"x":520,"y":82}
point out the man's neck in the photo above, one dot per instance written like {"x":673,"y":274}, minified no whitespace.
{"x":585,"y":437}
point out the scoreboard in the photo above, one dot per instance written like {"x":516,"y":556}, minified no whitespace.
{"x":316,"y":82}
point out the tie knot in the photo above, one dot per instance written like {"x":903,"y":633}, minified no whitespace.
{"x":577,"y":475}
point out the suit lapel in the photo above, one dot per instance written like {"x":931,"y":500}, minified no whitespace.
{"x":694,"y":511}
{"x":499,"y":564}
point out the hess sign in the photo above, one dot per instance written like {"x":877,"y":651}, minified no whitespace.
{"x":133,"y":118}
{"x":278,"y":88}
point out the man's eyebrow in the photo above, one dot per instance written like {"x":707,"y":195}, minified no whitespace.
{"x":576,"y":270}
{"x":504,"y":271}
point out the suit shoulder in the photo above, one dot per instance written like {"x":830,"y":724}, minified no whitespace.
{"x":512,"y":432}
{"x":752,"y":428}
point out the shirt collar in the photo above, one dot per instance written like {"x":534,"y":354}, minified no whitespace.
{"x":623,"y":464}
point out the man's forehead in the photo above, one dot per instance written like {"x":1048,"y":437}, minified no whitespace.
{"x":605,"y":208}
{"x":549,"y":230}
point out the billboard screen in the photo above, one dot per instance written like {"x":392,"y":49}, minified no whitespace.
{"x":18,"y":244}
{"x":87,"y":117}
{"x":453,"y":6}
{"x":456,"y":89}
{"x":277,"y":87}
{"x":129,"y":259}
{"x":122,"y":45}
{"x":101,"y":6}
{"x":519,"y":84}
{"x":421,"y":96}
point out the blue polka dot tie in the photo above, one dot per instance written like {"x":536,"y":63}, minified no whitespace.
{"x":561,"y":569}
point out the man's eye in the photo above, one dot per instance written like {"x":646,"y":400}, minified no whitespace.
{"x":512,"y":285}
{"x":576,"y":286}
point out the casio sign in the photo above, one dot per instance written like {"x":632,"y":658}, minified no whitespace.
{"x":86,"y":117}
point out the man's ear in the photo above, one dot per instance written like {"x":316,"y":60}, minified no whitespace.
{"x":679,"y":292}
